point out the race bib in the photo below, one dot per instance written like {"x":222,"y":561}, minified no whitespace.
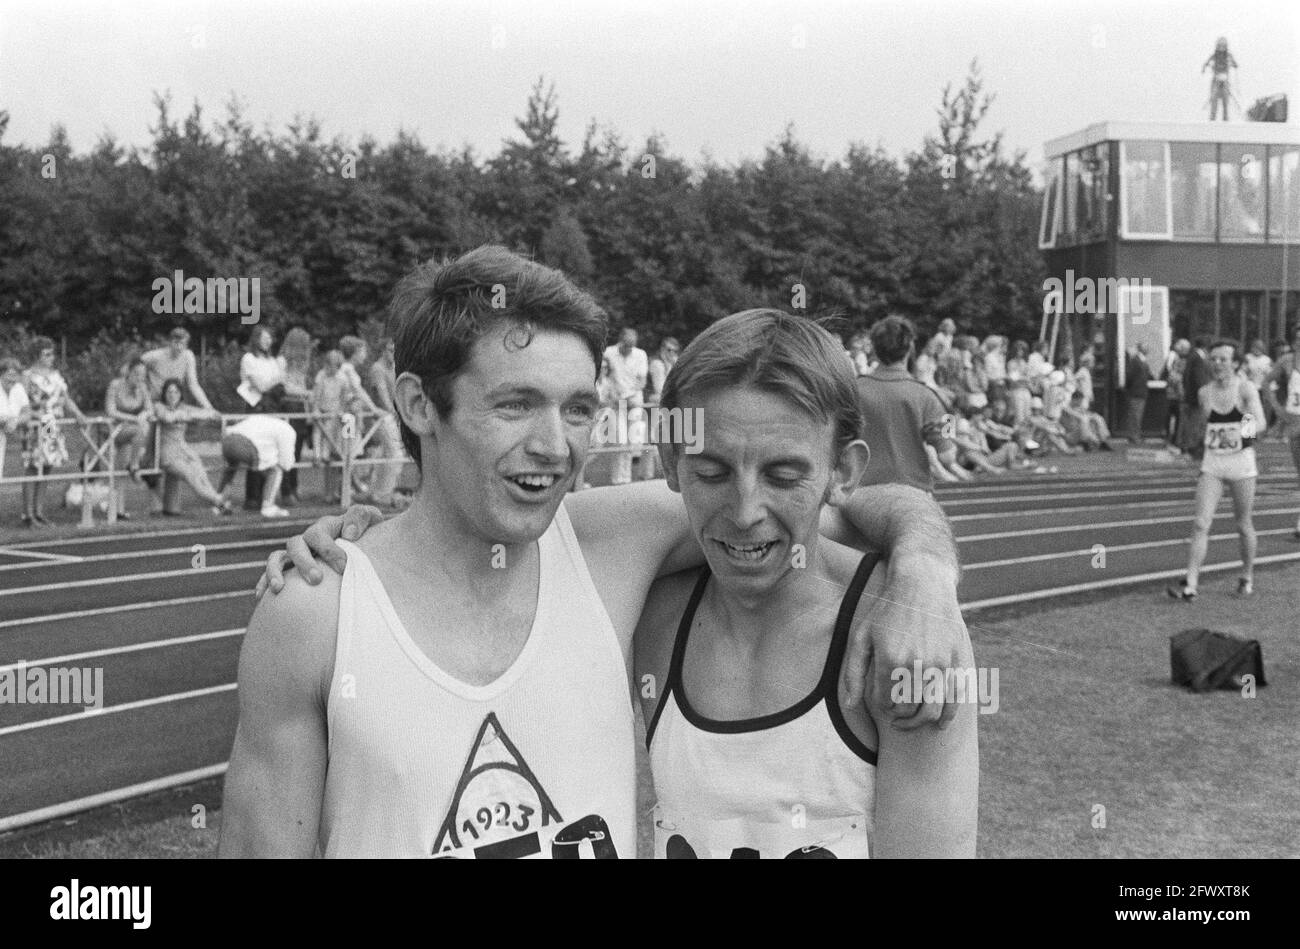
{"x":1223,"y":437}
{"x":1293,"y":394}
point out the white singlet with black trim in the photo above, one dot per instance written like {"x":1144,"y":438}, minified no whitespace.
{"x":541,"y":762}
{"x":1229,"y":445}
{"x":793,"y":784}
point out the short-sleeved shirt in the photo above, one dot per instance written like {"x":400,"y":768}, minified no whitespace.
{"x":902,"y":415}
{"x":627,"y":374}
{"x":272,"y":437}
{"x":163,"y":366}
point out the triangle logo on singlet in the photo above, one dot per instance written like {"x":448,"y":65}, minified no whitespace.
{"x":497,"y":797}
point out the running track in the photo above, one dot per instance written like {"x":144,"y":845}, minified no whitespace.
{"x":167,"y":635}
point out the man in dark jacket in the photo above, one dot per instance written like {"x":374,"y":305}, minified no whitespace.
{"x":1137,"y":376}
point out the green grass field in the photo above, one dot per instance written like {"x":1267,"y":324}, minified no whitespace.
{"x":1087,"y":718}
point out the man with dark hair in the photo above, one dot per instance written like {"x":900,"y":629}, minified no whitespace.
{"x":902,"y":414}
{"x":463,"y":687}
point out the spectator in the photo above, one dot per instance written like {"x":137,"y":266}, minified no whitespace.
{"x":902,"y":414}
{"x":15,"y":410}
{"x":332,"y":394}
{"x":175,"y":361}
{"x":925,"y":368}
{"x":1082,"y":427}
{"x":1191,"y":421}
{"x":661,"y":365}
{"x":858,"y":354}
{"x":975,"y":452}
{"x":127,"y":401}
{"x":942,"y":340}
{"x":382,"y":377}
{"x":1283,"y":388}
{"x":973,"y":382}
{"x":1057,"y":390}
{"x":1175,"y":366}
{"x":1046,"y":432}
{"x":1137,"y":376}
{"x":355,"y":353}
{"x":1083,"y":376}
{"x":295,"y":356}
{"x":261,"y":385}
{"x":259,"y":371}
{"x":1038,"y":366}
{"x":44,"y":448}
{"x":1018,"y":394}
{"x":176,"y":456}
{"x":628,"y":369}
{"x":995,"y":365}
{"x":263,"y":442}
{"x":1256,"y":367}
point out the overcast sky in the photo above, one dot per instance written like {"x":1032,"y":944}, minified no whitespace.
{"x":721,"y":78}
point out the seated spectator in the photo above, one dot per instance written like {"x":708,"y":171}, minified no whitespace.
{"x":261,"y":443}
{"x":176,"y":456}
{"x":1082,"y":427}
{"x":127,"y":401}
{"x":1047,"y":432}
{"x":15,"y":410}
{"x":974,"y":451}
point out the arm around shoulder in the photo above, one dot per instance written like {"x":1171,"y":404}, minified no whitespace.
{"x":276,"y":781}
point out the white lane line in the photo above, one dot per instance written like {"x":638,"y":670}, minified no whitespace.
{"x":178,"y":532}
{"x":64,"y":808}
{"x":1110,"y":548}
{"x":61,"y":558}
{"x":1045,"y":511}
{"x":133,"y":577}
{"x":136,"y":554}
{"x":123,"y":608}
{"x":1120,"y":492}
{"x":113,"y":709}
{"x":1119,"y":581}
{"x":1042,"y":511}
{"x":1074,"y":528}
{"x":1128,"y":479}
{"x":117,"y":650}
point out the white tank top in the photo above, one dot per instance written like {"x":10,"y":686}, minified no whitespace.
{"x":540,"y":762}
{"x":793,"y":784}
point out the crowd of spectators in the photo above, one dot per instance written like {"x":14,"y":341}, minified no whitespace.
{"x":994,"y":405}
{"x":152,"y":404}
{"x":1002,"y":404}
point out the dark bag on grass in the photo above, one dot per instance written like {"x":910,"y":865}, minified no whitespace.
{"x":1204,"y":660}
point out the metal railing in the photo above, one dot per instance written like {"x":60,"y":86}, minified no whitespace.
{"x":98,"y":459}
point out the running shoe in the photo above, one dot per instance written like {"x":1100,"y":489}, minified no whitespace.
{"x":272,"y":510}
{"x":1244,"y":588}
{"x":1181,"y":592}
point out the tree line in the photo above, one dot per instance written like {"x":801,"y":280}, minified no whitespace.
{"x":666,"y":245}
